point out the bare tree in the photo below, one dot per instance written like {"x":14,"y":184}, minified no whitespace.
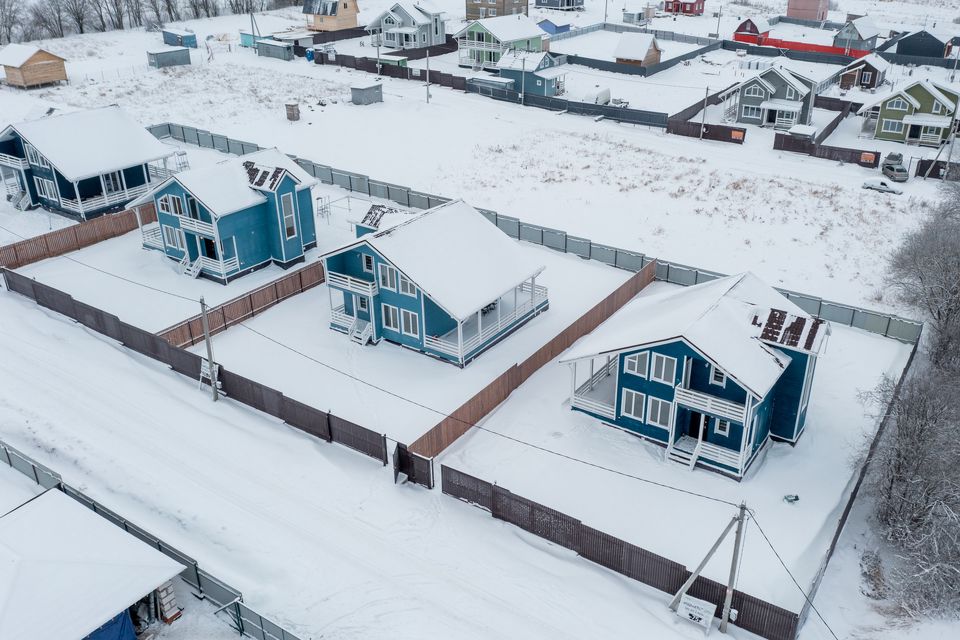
{"x":116,"y":10}
{"x":11,"y":15}
{"x":50,"y":17}
{"x":98,"y":13}
{"x":172,"y":7}
{"x":134,"y":10}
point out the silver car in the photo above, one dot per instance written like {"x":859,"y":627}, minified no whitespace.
{"x":881,"y":185}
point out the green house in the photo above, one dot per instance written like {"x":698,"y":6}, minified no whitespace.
{"x":919,"y":113}
{"x":483,"y":42}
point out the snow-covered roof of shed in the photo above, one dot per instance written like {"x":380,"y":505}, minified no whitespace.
{"x":736,"y":321}
{"x":634,"y":46}
{"x":509,"y":28}
{"x":455,"y":255}
{"x":88,"y":143}
{"x":865,"y":27}
{"x":15,"y":54}
{"x":178,"y":32}
{"x":56,"y":553}
{"x":760,"y":23}
{"x":520,"y":60}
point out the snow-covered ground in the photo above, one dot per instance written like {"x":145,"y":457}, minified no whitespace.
{"x":601,"y":45}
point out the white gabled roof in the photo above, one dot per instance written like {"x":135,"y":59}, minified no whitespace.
{"x":865,"y":27}
{"x":456,"y":256}
{"x":509,"y":28}
{"x":873,"y":60}
{"x":88,"y":143}
{"x":933,"y":88}
{"x":723,"y":319}
{"x":419,"y":12}
{"x":520,"y":60}
{"x":15,"y":55}
{"x":789,"y":78}
{"x":65,"y":571}
{"x":634,"y":46}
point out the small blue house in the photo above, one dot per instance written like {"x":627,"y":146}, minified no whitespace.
{"x":713,"y":372}
{"x":237,"y":216}
{"x":551,"y":27}
{"x":179,"y":38}
{"x":539,"y":72}
{"x":445,"y":282}
{"x":82,"y":164}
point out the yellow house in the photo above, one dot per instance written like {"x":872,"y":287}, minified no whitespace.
{"x":26,"y":65}
{"x":331,"y":15}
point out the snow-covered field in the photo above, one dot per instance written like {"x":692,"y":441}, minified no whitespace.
{"x":601,"y":45}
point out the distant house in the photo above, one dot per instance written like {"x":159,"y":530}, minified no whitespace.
{"x":754,"y":27}
{"x":641,"y":49}
{"x":482,"y":42}
{"x":774,"y":97}
{"x":684,"y":7}
{"x":857,"y":35}
{"x":331,"y":15}
{"x":868,"y":72}
{"x":808,"y":9}
{"x":83,"y":164}
{"x":552,"y":28}
{"x":168,"y":57}
{"x":406,"y":25}
{"x":918,"y":113}
{"x":237,"y":216}
{"x":27,"y":66}
{"x":919,"y":43}
{"x":712,"y":372}
{"x":444,"y":282}
{"x":540,"y":73}
{"x":478,"y":9}
{"x":560,"y":5}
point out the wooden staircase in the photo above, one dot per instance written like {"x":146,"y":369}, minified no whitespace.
{"x":361,"y":332}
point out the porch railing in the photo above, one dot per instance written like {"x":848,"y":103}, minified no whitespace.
{"x":355,"y":285}
{"x":341,"y":318}
{"x":219,"y":267}
{"x":105,"y":200}
{"x":13,"y":161}
{"x":198,"y":227}
{"x":152,"y":237}
{"x":711,"y":404}
{"x":581,"y":401}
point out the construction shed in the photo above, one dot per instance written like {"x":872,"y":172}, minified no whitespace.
{"x":28,"y":66}
{"x":179,"y":38}
{"x":168,"y":57}
{"x":275,"y":49}
{"x":366,"y":93}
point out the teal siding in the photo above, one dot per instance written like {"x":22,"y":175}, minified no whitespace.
{"x":787,"y":394}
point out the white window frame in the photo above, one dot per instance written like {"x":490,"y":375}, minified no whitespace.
{"x":659,"y":357}
{"x":758,"y":111}
{"x":754,"y":91}
{"x":363,"y":304}
{"x":633,"y":399}
{"x":410,"y":319}
{"x":791,"y":93}
{"x":173,"y":238}
{"x":807,"y":385}
{"x":650,"y":412}
{"x":714,"y":370}
{"x":899,"y":126}
{"x":169,"y":199}
{"x":721,"y":427}
{"x":937,"y":107}
{"x":898,"y":104}
{"x":163,"y":204}
{"x":45,"y":188}
{"x":286,"y":198}
{"x":113,"y":182}
{"x":387,"y":275}
{"x":390,"y":314}
{"x":866,"y":76}
{"x":34,"y":157}
{"x":406,"y":286}
{"x":631,"y":364}
{"x":364,"y":257}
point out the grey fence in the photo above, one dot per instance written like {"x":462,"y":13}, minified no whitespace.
{"x":622,"y":28}
{"x":822,"y":24}
{"x":317,"y":423}
{"x":245,"y":620}
{"x":753,"y":614}
{"x":884,"y":324}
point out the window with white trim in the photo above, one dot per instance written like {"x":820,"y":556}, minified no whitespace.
{"x":664,"y":369}
{"x":289,"y":215}
{"x":637,"y":364}
{"x":34,"y":157}
{"x":173,"y":238}
{"x":362,"y":303}
{"x":892,"y":126}
{"x":659,"y":412}
{"x":45,"y":188}
{"x":897,"y":104}
{"x":722,"y":427}
{"x":791,"y":93}
{"x":391,"y":317}
{"x":407,"y":287}
{"x":367,"y":263}
{"x":937,"y":107}
{"x":631,"y":404}
{"x":753,"y":91}
{"x":866,"y":77}
{"x":388,"y":277}
{"x":717,"y":376}
{"x":410,"y":323}
{"x":752,"y":113}
{"x":171,"y":204}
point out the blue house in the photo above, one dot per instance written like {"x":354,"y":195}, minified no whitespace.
{"x":713,"y":372}
{"x":444,"y":282}
{"x":83,"y":164}
{"x":237,"y":216}
{"x":537,"y":72}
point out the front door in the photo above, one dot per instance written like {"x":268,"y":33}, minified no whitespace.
{"x":914,"y":132}
{"x":361,"y":307}
{"x":772,"y":116}
{"x":210,"y":249}
{"x":693,"y":427}
{"x":112,"y":182}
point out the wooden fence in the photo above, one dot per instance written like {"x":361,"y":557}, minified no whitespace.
{"x":78,"y":236}
{"x":753,"y":614}
{"x":441,"y":436}
{"x":681,"y":123}
{"x":220,"y":318}
{"x":784,"y":142}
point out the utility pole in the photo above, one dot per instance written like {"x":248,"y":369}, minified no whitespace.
{"x":523,"y":80}
{"x":377,"y":41}
{"x":605,"y":3}
{"x":719,"y":13}
{"x":738,"y":541}
{"x":206,"y":338}
{"x":703,"y":116}
{"x":428,"y":76}
{"x":696,"y":572}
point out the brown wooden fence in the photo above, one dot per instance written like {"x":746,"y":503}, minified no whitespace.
{"x":681,"y":123}
{"x":220,"y":318}
{"x":441,"y":436}
{"x":784,"y":142}
{"x":753,"y":614}
{"x":78,"y":236}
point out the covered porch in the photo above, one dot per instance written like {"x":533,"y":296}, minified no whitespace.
{"x":696,"y":438}
{"x":593,"y":385}
{"x":926,"y":130}
{"x":116,"y":188}
{"x":781,"y":114}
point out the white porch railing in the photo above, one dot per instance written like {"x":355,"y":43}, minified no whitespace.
{"x":106,"y":200}
{"x":198,"y":227}
{"x":355,"y":285}
{"x":710,"y":404}
{"x":152,"y":237}
{"x":220,"y":268}
{"x":594,"y":406}
{"x":341,"y":319}
{"x":13,"y":161}
{"x":698,"y":449}
{"x":581,"y":401}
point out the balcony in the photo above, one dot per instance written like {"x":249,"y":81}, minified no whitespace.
{"x":353,"y":285}
{"x":105,"y":200}
{"x":198,"y":227}
{"x":707,"y":403}
{"x":13,"y":162}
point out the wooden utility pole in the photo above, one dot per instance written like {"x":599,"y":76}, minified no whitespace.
{"x":523,"y":81}
{"x":734,"y":562}
{"x":206,"y":338}
{"x":703,"y":116}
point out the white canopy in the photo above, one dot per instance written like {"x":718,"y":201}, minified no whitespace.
{"x":65,"y":571}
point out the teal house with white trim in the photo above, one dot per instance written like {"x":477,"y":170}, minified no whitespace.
{"x":224,"y":221}
{"x":712,"y":372}
{"x":445,"y":282}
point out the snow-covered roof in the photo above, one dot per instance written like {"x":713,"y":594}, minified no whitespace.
{"x":65,"y":571}
{"x":813,"y":71}
{"x":456,"y":256}
{"x":509,"y":28}
{"x":927,"y":120}
{"x":520,"y":60}
{"x":178,"y":32}
{"x":270,"y":42}
{"x":865,"y":27}
{"x":88,"y":143}
{"x":736,"y":322}
{"x":166,"y":49}
{"x":788,"y":77}
{"x":931,"y":87}
{"x":873,"y":60}
{"x":779,"y":104}
{"x":381,"y":216}
{"x":634,"y":46}
{"x":15,"y":55}
{"x":760,"y":23}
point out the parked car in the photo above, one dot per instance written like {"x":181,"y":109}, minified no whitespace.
{"x":892,"y":167}
{"x":881,"y":185}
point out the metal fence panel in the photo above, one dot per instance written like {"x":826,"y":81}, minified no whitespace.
{"x":21,"y":464}
{"x":531,"y":233}
{"x":190,"y":135}
{"x":159,"y":130}
{"x":629,"y":260}
{"x":602,"y":548}
{"x":176,"y":131}
{"x":358,"y":438}
{"x":249,"y":147}
{"x":204,"y":139}
{"x":216,"y":590}
{"x":579,"y":246}
{"x":221,"y":143}
{"x":398,"y":194}
{"x":512,"y":508}
{"x":510,"y":226}
{"x":836,"y":312}
{"x":379,"y":190}
{"x":341,"y":179}
{"x":252,"y":624}
{"x":555,"y":239}
{"x":53,"y":299}
{"x":359,"y":183}
{"x":873,"y":322}
{"x":419,"y":200}
{"x":904,"y":330}
{"x":807,"y":303}
{"x":489,"y":215}
{"x":235,"y":147}
{"x":604,"y":253}
{"x":466,"y":487}
{"x":305,"y":418}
